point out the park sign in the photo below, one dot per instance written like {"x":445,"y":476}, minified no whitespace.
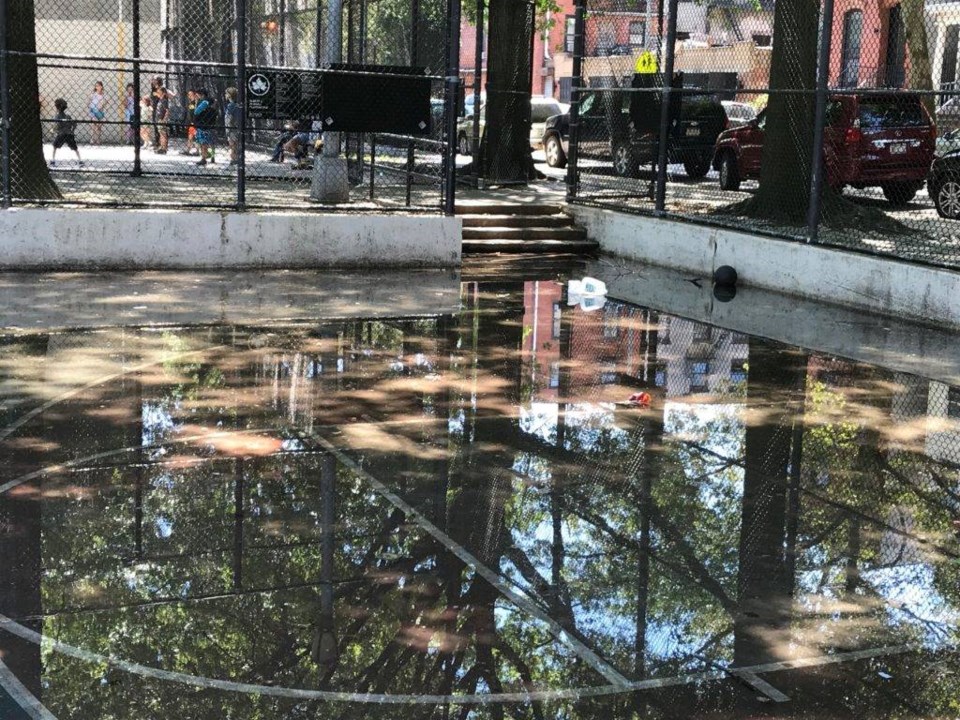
{"x":344,"y":97}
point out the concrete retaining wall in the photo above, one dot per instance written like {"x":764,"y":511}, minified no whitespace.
{"x":60,"y":238}
{"x":880,"y":285}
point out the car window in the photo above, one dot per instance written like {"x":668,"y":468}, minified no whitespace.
{"x":834,"y":112}
{"x":587,"y":104}
{"x":877,"y":113}
{"x":539,"y":112}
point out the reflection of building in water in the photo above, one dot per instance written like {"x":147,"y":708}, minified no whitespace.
{"x":935,"y":408}
{"x":697,"y":358}
{"x":615,"y":345}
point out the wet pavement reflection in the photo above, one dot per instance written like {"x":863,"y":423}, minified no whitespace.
{"x":463,"y":516}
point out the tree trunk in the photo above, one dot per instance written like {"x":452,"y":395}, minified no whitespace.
{"x":788,"y":145}
{"x":921,"y":74}
{"x":774,"y":394}
{"x":29,"y":176}
{"x":505,"y":148}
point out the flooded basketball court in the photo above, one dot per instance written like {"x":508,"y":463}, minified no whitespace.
{"x":446,"y":505}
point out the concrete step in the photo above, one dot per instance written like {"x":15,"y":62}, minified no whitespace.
{"x":524,"y":233}
{"x":556,"y":247}
{"x":517,"y":221}
{"x":486,"y":207}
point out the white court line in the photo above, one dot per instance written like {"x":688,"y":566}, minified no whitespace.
{"x":53,"y":469}
{"x":20,"y":422}
{"x":20,"y":631}
{"x":578,"y":647}
{"x":23,"y":697}
{"x":760,"y":685}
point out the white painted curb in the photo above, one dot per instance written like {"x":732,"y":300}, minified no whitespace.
{"x":880,"y":285}
{"x":63,"y":238}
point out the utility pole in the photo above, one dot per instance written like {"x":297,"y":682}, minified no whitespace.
{"x":330,"y":183}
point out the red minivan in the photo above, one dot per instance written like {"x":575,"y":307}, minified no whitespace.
{"x":871,"y":140}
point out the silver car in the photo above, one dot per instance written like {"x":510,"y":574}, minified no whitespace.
{"x":739,"y":113}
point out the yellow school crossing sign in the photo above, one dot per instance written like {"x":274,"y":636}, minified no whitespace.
{"x":646,"y":63}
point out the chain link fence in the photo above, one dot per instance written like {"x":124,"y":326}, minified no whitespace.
{"x":230,"y":103}
{"x":826,"y":122}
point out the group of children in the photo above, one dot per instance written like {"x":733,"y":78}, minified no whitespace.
{"x":156,"y":121}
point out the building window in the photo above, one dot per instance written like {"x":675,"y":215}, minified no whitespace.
{"x":763,"y":40}
{"x":554,"y":374}
{"x":850,"y":48}
{"x":569,"y":33}
{"x":608,"y":376}
{"x":953,"y":403}
{"x":566,"y":89}
{"x":699,"y":372}
{"x":611,"y":321}
{"x":638,"y":33}
{"x":557,"y":315}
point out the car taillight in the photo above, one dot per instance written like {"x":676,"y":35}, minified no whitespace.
{"x":853,"y":136}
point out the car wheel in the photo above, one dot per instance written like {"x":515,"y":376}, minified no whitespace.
{"x":554,"y":152}
{"x":946,"y":197}
{"x":463,"y":144}
{"x":899,"y":193}
{"x":625,"y":161}
{"x":697,"y":167}
{"x":729,"y":172}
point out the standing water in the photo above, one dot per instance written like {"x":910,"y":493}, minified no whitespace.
{"x":462,"y":514}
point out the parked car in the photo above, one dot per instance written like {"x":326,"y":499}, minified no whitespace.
{"x":624,"y":127}
{"x":886,"y":141}
{"x":738,"y":113}
{"x":944,"y":185}
{"x":947,"y":141}
{"x":541,"y":108}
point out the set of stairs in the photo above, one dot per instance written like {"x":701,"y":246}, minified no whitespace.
{"x":493,"y":227}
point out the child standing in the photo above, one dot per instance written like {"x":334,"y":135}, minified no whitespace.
{"x":129,"y":113}
{"x":65,"y":128}
{"x":232,"y":122}
{"x":97,"y":101}
{"x":191,"y":123}
{"x":205,"y":116}
{"x":146,"y":127}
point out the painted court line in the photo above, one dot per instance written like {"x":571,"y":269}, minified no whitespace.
{"x":585,"y":653}
{"x":20,"y":631}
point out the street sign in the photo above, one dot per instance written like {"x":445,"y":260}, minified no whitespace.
{"x":646,"y":63}
{"x":346,"y":98}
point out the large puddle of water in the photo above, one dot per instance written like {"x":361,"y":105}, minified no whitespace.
{"x":460,"y":515}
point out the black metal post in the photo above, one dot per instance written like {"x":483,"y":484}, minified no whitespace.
{"x":319,"y":43}
{"x":242,"y":100}
{"x":135,"y":17}
{"x":579,"y":47}
{"x":283,"y":32}
{"x":373,"y":165}
{"x":452,"y":83}
{"x":665,"y":101}
{"x":238,"y":525}
{"x":819,"y":122}
{"x":414,"y":32}
{"x":5,"y":103}
{"x":477,"y":85}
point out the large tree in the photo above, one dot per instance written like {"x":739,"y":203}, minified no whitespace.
{"x":505,"y":149}
{"x":29,"y":177}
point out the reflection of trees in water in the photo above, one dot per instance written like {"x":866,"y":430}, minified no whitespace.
{"x":660,"y":551}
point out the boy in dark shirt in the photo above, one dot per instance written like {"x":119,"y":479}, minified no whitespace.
{"x":65,"y":128}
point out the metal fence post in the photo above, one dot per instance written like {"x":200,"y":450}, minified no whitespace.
{"x":5,"y":103}
{"x":137,"y":118}
{"x":452,"y":83}
{"x":242,"y":100}
{"x":477,"y":87}
{"x":663,"y":155}
{"x":579,"y":46}
{"x":819,"y":122}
